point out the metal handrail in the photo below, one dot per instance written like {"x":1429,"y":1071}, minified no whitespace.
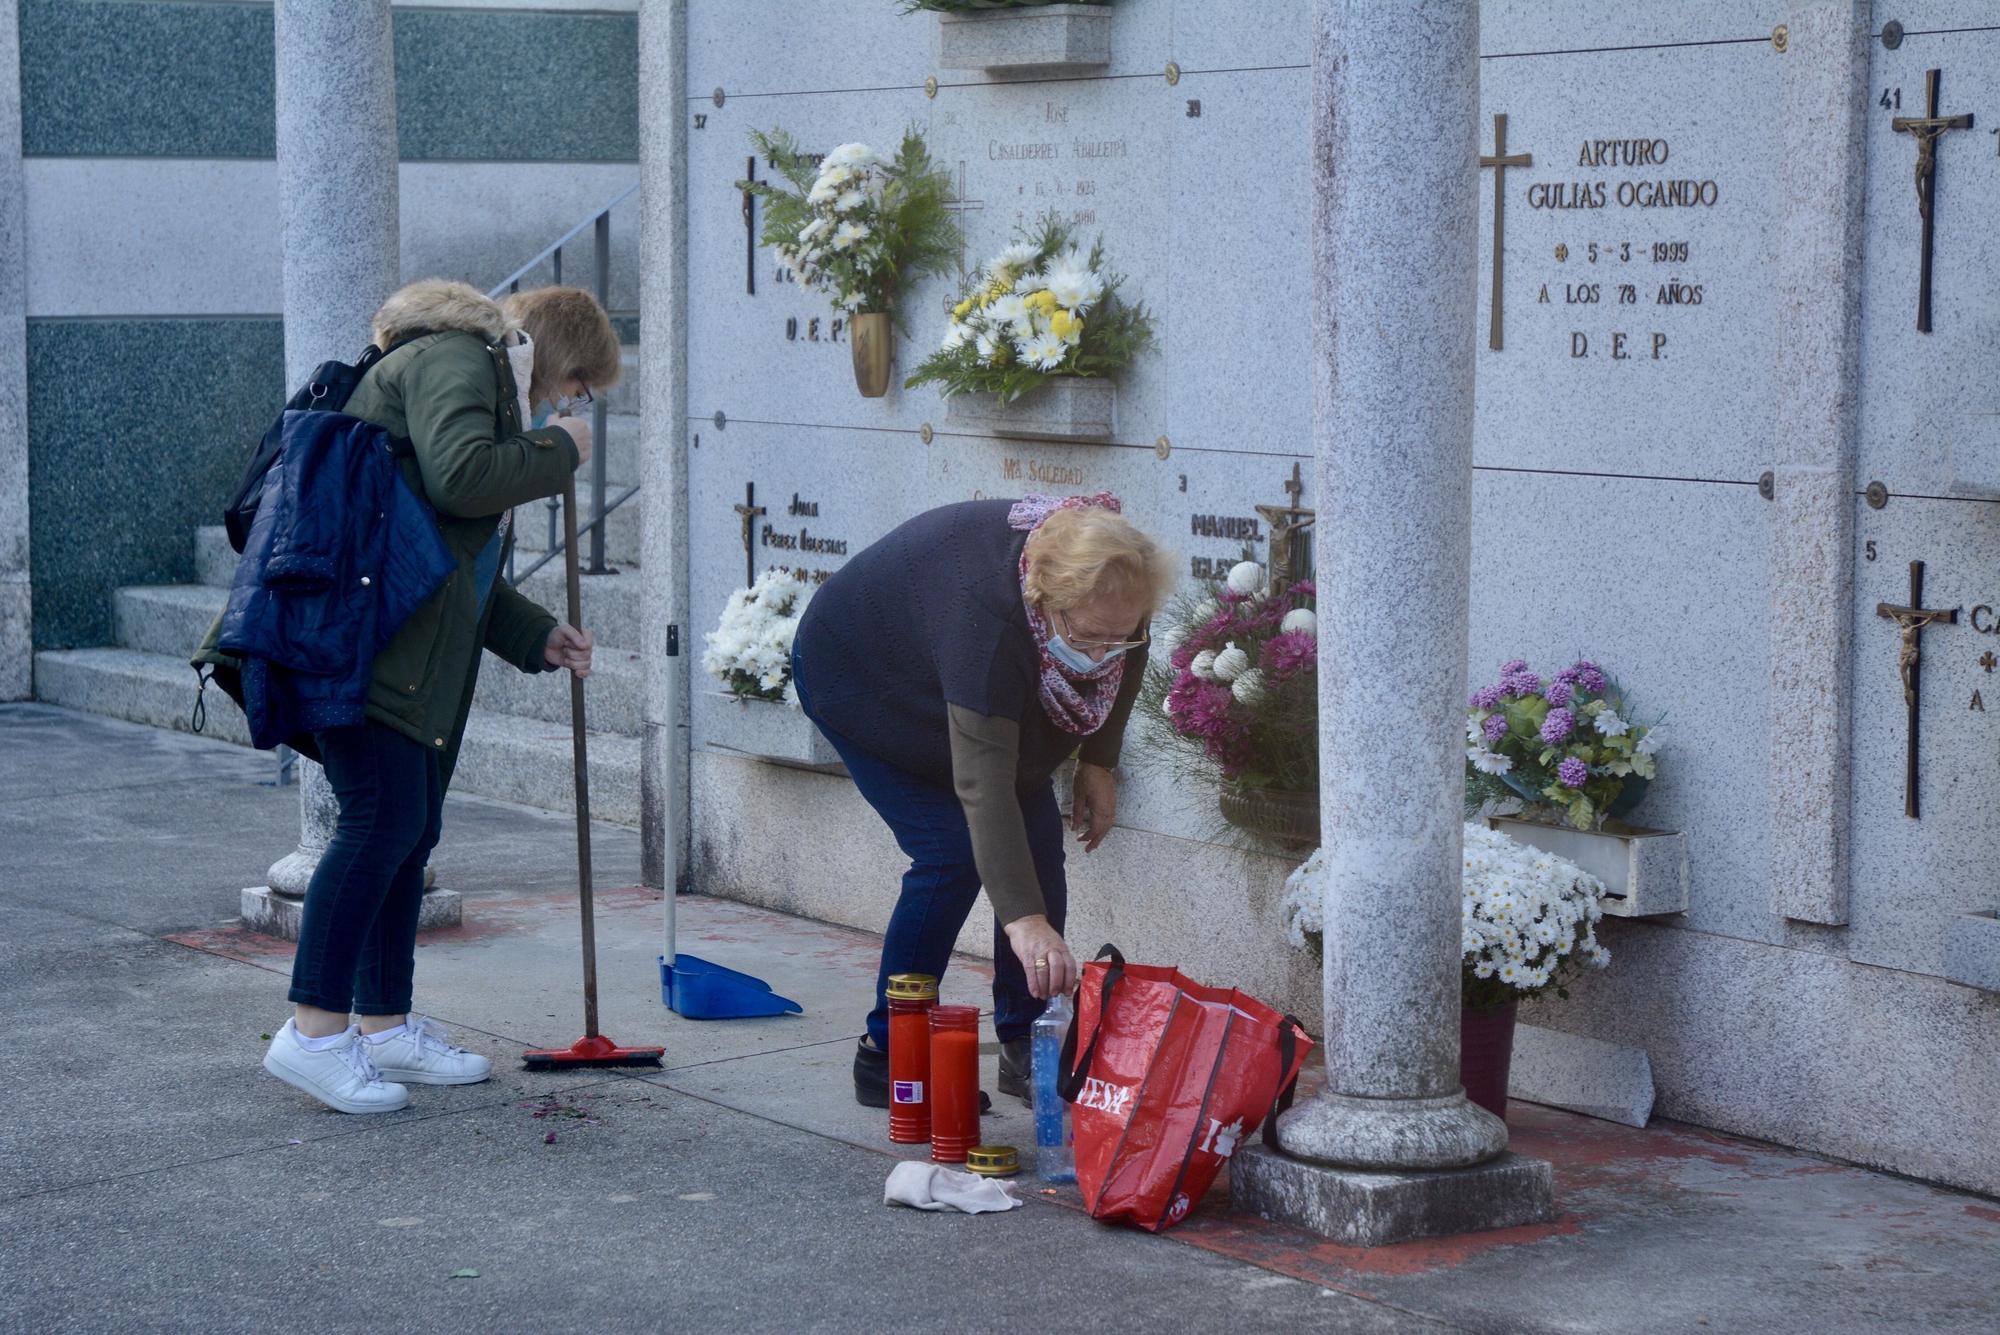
{"x":600,"y":225}
{"x":512,"y":281}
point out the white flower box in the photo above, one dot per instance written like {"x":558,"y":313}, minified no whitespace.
{"x":766,"y":730}
{"x":1037,"y":39}
{"x":1645,"y":872}
{"x":1065,"y":408}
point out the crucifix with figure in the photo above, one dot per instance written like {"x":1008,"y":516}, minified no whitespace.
{"x":1912,"y":620}
{"x":1500,"y":160}
{"x":749,"y":510}
{"x":1288,"y":523}
{"x":1928,"y":129}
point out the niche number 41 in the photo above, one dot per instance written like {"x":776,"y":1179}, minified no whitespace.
{"x":1891,"y":99}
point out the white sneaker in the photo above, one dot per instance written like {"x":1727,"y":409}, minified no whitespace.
{"x":421,"y":1055}
{"x":341,"y":1076}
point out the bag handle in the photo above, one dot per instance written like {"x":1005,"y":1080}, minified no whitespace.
{"x":1288,"y":1047}
{"x":1072,"y":1077}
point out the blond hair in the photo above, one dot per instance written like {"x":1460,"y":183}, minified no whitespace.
{"x":1080,"y":555}
{"x":573,"y":338}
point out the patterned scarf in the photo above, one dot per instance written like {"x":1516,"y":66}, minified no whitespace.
{"x":1078,"y":702}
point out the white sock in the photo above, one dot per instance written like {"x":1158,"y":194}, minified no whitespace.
{"x":386,"y":1034}
{"x":319,"y":1044}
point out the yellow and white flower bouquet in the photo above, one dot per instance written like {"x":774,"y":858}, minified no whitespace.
{"x":1040,"y":308}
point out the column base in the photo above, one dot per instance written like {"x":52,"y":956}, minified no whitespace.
{"x":1392,"y":1135}
{"x":277,"y":914}
{"x":1377,"y":1209}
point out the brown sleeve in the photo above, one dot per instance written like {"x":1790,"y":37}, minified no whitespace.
{"x":985,"y":760}
{"x":1103,"y":746}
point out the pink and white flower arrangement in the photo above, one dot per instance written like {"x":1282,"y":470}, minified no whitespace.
{"x":1234,"y":681}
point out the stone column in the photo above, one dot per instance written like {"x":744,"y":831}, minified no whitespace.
{"x":337,"y":198}
{"x":1395,"y":250}
{"x":663,"y":122}
{"x":1824,"y":78}
{"x":17,"y":654}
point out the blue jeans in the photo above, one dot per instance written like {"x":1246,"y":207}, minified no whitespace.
{"x":942,"y":883}
{"x":358,"y":939}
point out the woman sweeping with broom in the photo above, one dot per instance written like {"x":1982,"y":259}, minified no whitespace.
{"x":954,"y":665}
{"x":459,"y":381}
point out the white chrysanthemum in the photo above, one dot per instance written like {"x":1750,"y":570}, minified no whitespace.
{"x":1246,"y":577}
{"x":849,"y":201}
{"x":1610,"y":724}
{"x":1248,"y":688}
{"x":1203,"y":665}
{"x":814,"y":230}
{"x":1300,"y":618}
{"x":1011,"y":261}
{"x":956,"y":336}
{"x":988,"y":347}
{"x":1300,"y":905}
{"x":824,"y":191}
{"x":1205,"y":609}
{"x":1231,"y":663}
{"x":1475,"y":733}
{"x":1028,"y":284}
{"x":1649,"y":743}
{"x":1488,"y":762}
{"x":850,"y":156}
{"x":1075,"y":285}
{"x":1168,"y":638}
{"x":1044,"y":352}
{"x":1008,"y":311}
{"x":849,"y":234}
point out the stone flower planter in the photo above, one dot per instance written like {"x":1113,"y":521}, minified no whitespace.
{"x":1066,"y":408}
{"x":766,"y":730}
{"x":1645,"y":872}
{"x":1035,"y":38}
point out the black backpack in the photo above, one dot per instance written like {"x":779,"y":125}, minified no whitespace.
{"x":328,"y":390}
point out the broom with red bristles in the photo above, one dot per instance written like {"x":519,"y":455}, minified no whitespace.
{"x":593,"y":1049}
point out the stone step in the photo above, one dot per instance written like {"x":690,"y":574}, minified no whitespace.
{"x":614,"y":696}
{"x":513,"y":759}
{"x":214,"y":558}
{"x":168,"y":619}
{"x":621,"y":535}
{"x":610,"y":602}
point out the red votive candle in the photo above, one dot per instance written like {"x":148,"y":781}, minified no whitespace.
{"x":911,"y":998}
{"x":954,"y":1082}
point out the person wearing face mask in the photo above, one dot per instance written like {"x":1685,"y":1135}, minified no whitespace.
{"x":460,"y":380}
{"x":954,"y":665}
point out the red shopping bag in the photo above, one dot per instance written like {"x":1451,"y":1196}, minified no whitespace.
{"x":1173,"y":1075}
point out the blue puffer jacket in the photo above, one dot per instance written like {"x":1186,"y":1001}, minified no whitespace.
{"x":342,"y":551}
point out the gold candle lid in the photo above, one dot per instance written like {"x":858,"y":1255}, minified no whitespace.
{"x":913,"y":987}
{"x":993,"y":1160}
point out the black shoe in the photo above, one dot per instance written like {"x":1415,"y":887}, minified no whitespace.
{"x":1017,"y":1074}
{"x":871,"y":1078}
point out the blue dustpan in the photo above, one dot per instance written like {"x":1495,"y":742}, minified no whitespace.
{"x":694,"y":987}
{"x":700,"y":990}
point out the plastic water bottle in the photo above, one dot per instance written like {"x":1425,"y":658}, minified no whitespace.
{"x":1055,"y":1158}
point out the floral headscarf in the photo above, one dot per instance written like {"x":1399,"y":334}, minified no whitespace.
{"x":1079,"y":702}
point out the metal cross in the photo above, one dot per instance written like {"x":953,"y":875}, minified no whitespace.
{"x":1912,"y":620}
{"x":1927,"y":128}
{"x":958,"y":206}
{"x":750,"y":229}
{"x":749,"y":510}
{"x":1287,"y":548}
{"x":1500,"y":161}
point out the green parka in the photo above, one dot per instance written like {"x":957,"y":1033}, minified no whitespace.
{"x":451,"y":392}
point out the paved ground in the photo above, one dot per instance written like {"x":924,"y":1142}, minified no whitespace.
{"x":153,"y":1178}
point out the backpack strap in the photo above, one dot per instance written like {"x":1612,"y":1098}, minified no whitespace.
{"x":1288,"y":1048}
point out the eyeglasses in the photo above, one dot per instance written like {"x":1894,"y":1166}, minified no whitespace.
{"x":1108,"y":646}
{"x":581,"y":399}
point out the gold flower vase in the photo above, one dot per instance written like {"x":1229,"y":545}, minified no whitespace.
{"x":871,"y":339}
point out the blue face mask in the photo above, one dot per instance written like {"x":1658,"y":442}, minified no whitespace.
{"x":1075,"y":659}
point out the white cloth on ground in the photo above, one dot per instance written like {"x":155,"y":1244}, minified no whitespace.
{"x":929,"y":1186}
